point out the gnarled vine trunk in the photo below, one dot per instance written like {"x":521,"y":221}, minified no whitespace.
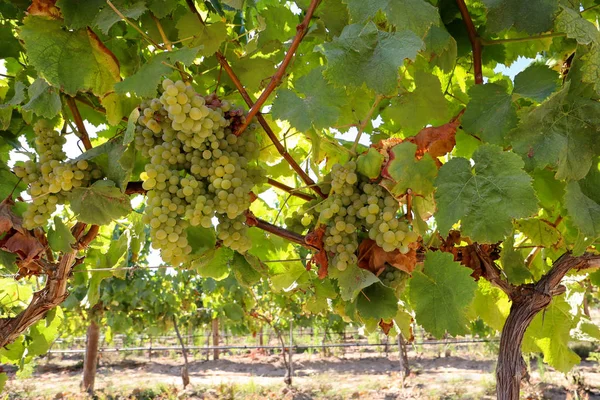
{"x":91,"y":357}
{"x":527,"y":301}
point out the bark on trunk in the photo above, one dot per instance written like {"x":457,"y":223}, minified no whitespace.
{"x":215,"y":337}
{"x":91,"y":358}
{"x":185,"y":376}
{"x":527,"y":301}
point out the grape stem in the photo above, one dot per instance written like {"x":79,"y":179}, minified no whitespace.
{"x":263,"y":122}
{"x":276,"y":79}
{"x":474,"y":39}
{"x":83,"y":135}
{"x":290,"y":190}
{"x":293,"y":237}
{"x":184,"y":75}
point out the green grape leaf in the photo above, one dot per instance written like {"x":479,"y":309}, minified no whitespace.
{"x":145,"y":81}
{"x":550,"y":332}
{"x":591,"y":67}
{"x":369,"y":164}
{"x":108,"y":17}
{"x":513,"y":262}
{"x":113,"y":261}
{"x":3,"y":379}
{"x":442,"y":48}
{"x":201,"y":239}
{"x":43,"y":334}
{"x":536,"y":82}
{"x":44,"y":100}
{"x":161,"y":8}
{"x":276,"y":24}
{"x":80,"y":13}
{"x":319,"y":106}
{"x":131,"y":121}
{"x":403,"y":322}
{"x":352,"y":280}
{"x":8,"y":262}
{"x":234,"y":312}
{"x":412,"y":111}
{"x":334,"y":15}
{"x":548,"y":190}
{"x":9,"y":183}
{"x":415,"y":15}
{"x":491,"y":305}
{"x":441,"y":293}
{"x":70,"y":60}
{"x":490,"y":114}
{"x":109,"y":156}
{"x":576,"y":27}
{"x":557,"y":134}
{"x":323,"y":290}
{"x":485,"y":197}
{"x":404,"y":171}
{"x":246,"y":269}
{"x":583,"y":210}
{"x":60,"y":237}
{"x":533,"y":16}
{"x":364,"y":55}
{"x":118,"y":106}
{"x":377,"y":301}
{"x":209,"y":36}
{"x":539,"y":232}
{"x":285,"y":276}
{"x":100,"y":203}
{"x":214,"y":263}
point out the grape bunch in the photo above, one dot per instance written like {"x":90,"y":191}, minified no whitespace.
{"x":198,"y":169}
{"x":394,"y":278}
{"x":52,"y":176}
{"x":355,"y":209}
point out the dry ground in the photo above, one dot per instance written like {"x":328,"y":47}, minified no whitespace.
{"x":468,"y":374}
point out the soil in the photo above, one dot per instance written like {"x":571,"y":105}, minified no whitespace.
{"x":465,"y":375}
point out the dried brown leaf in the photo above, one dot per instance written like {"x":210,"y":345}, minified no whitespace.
{"x":44,"y":8}
{"x":373,"y":258}
{"x":8,"y":220}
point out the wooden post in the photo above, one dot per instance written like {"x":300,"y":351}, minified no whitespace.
{"x":91,"y":357}
{"x":215,"y":337}
{"x":403,"y":359}
{"x":290,"y":351}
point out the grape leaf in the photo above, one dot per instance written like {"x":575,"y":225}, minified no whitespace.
{"x":60,"y":237}
{"x":363,"y":54}
{"x":70,"y":60}
{"x":404,"y":171}
{"x":112,"y":262}
{"x":491,"y":305}
{"x":43,"y":99}
{"x":352,"y":280}
{"x":131,"y":121}
{"x":536,"y":82}
{"x":550,"y":332}
{"x":486,"y":197}
{"x":591,"y":67}
{"x":583,"y":210}
{"x":44,"y":333}
{"x":3,"y":379}
{"x":118,"y":106}
{"x":276,"y":24}
{"x":441,"y":293}
{"x":533,"y":16}
{"x":557,"y":133}
{"x":319,"y":106}
{"x":576,"y":27}
{"x":233,"y":311}
{"x":100,"y":203}
{"x":412,"y":111}
{"x":201,"y":239}
{"x":369,"y":163}
{"x":108,"y":17}
{"x":145,"y":81}
{"x":80,"y":13}
{"x":377,"y":301}
{"x":245,"y":268}
{"x":513,"y":262}
{"x":214,"y":263}
{"x":539,"y":232}
{"x":490,"y":114}
{"x":415,"y":15}
{"x":441,"y":48}
{"x":209,"y":36}
{"x":334,"y":15}
{"x":161,"y":8}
